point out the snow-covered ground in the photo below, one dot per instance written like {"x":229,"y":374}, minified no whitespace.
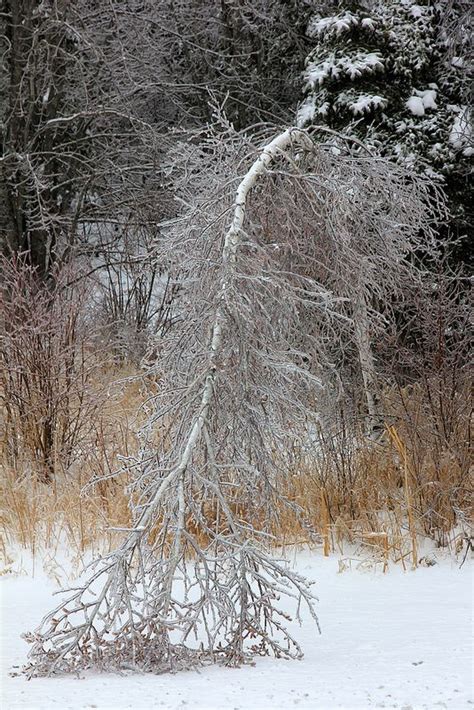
{"x":399,"y":640}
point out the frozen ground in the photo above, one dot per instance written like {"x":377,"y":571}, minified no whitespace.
{"x":399,"y":640}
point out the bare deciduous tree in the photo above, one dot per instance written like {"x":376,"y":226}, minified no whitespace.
{"x":238,"y":383}
{"x":75,"y":150}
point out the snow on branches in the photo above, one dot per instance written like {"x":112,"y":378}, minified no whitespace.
{"x":385,"y":63}
{"x":278,"y":251}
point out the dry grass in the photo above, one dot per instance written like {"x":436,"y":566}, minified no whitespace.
{"x":390,"y":496}
{"x":43,"y":515}
{"x":383,"y":497}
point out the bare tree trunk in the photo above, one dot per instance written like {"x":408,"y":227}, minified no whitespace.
{"x":367,"y":362}
{"x":236,"y":393}
{"x":245,"y":578}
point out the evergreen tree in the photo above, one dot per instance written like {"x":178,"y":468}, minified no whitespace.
{"x":393,"y":73}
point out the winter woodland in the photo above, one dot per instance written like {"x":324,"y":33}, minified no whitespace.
{"x":235,"y":316}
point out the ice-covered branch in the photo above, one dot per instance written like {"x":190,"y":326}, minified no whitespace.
{"x":130,"y":621}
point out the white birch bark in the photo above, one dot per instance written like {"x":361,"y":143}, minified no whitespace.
{"x":116,"y":589}
{"x":232,"y":240}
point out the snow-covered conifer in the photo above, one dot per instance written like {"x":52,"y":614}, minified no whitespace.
{"x":393,"y":74}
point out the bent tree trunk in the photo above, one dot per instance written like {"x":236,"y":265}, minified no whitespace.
{"x":230,"y":594}
{"x":192,"y":580}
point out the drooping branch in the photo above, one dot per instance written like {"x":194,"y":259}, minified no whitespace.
{"x":265,"y":303}
{"x":229,"y":253}
{"x":235,"y":580}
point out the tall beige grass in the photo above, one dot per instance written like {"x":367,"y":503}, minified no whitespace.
{"x":40,"y":514}
{"x":383,"y":498}
{"x":389,"y":497}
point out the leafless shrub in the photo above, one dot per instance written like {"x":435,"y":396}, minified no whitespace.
{"x":135,"y":300}
{"x":46,"y":368}
{"x":415,"y":480}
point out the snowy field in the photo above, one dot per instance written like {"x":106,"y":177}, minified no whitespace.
{"x":399,"y":640}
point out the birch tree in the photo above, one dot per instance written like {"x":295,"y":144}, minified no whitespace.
{"x":195,"y":579}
